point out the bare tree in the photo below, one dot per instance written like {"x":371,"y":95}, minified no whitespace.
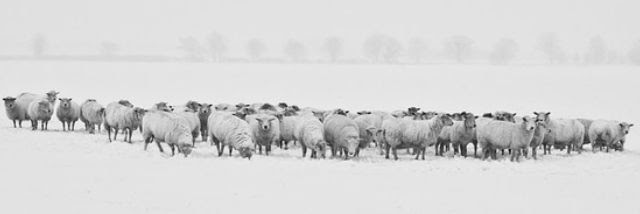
{"x":192,"y":48}
{"x":549,"y":45}
{"x":503,"y":51}
{"x":458,"y":47}
{"x":217,"y":46}
{"x":333,"y":46}
{"x":39,"y":45}
{"x":109,"y":49}
{"x":382,"y":48}
{"x":597,"y":51}
{"x":256,"y":48}
{"x":417,"y":49}
{"x":295,"y":50}
{"x":634,"y":53}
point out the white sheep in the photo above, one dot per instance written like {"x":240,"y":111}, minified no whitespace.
{"x":368,"y":125}
{"x":310,"y":133}
{"x":118,"y":116}
{"x":13,"y":111}
{"x":265,"y":129}
{"x":409,"y":133}
{"x":166,"y":127}
{"x":193,"y":123}
{"x":608,"y":133}
{"x":506,"y":135}
{"x":92,"y":115}
{"x":459,"y":135}
{"x":538,"y":138}
{"x":40,"y":110}
{"x":24,"y":100}
{"x":586,"y":123}
{"x":68,"y":112}
{"x":287,"y":131}
{"x":342,"y":134}
{"x":565,"y":132}
{"x":225,"y":129}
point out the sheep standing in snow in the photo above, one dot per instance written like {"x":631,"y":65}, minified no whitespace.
{"x":13,"y":112}
{"x":265,"y":129}
{"x":167,"y":127}
{"x":538,"y":137}
{"x":608,"y":133}
{"x":566,"y":132}
{"x":203,"y":115}
{"x":310,"y":133}
{"x":342,"y":134}
{"x":459,"y":135}
{"x":506,"y":135}
{"x":409,"y":133}
{"x":226,"y":129}
{"x":368,"y":125}
{"x":193,"y":123}
{"x":92,"y":115}
{"x":68,"y":112}
{"x":40,"y":110}
{"x":118,"y":116}
{"x":287,"y":131}
{"x":24,"y":100}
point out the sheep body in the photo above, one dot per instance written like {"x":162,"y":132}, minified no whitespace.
{"x":193,"y":123}
{"x":118,"y":116}
{"x":227,"y":129}
{"x":506,"y":135}
{"x":607,"y":133}
{"x":24,"y":99}
{"x":287,"y":130}
{"x":91,"y":114}
{"x":13,"y":111}
{"x":68,"y":112}
{"x":40,"y":110}
{"x":166,"y":127}
{"x":341,"y":133}
{"x":564,"y":132}
{"x":265,"y":129}
{"x":368,"y":125}
{"x":310,"y":133}
{"x":459,"y":135}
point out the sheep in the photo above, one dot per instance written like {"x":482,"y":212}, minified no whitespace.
{"x":166,"y":127}
{"x":68,"y":112}
{"x":459,"y":134}
{"x":342,"y":134}
{"x":91,"y":114}
{"x":118,"y":116}
{"x":568,"y":132}
{"x":203,"y":114}
{"x":24,"y":99}
{"x":227,"y":129}
{"x":538,"y":137}
{"x":265,"y":129}
{"x":586,"y":123}
{"x":408,"y":133}
{"x":287,"y":131}
{"x":368,"y":125}
{"x":310,"y":133}
{"x":193,"y":123}
{"x":506,"y":135}
{"x":608,"y":133}
{"x":12,"y":110}
{"x":162,"y":106}
{"x":42,"y":110}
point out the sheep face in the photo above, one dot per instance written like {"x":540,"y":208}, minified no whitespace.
{"x":283,"y":105}
{"x":446,"y":119}
{"x":193,"y":105}
{"x":52,"y":95}
{"x":624,"y":127}
{"x":9,"y":102}
{"x":529,"y":123}
{"x":265,"y":123}
{"x":505,"y":116}
{"x":163,"y":106}
{"x":542,"y":116}
{"x":469,"y":120}
{"x":205,"y":109}
{"x":319,"y":115}
{"x":412,"y":111}
{"x":353,"y":141}
{"x":341,"y":112}
{"x":184,"y":143}
{"x":65,"y":103}
{"x":44,"y":108}
{"x":246,"y":152}
{"x":139,"y":113}
{"x":320,"y":147}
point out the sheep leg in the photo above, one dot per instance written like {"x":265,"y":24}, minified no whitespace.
{"x":268,"y":148}
{"x":108,"y":132}
{"x":424,"y":151}
{"x":68,"y":126}
{"x":130,"y":133}
{"x":115,"y":133}
{"x":230,"y":151}
{"x":417,"y":150}
{"x":456,"y":149}
{"x":395,"y":154}
{"x":73,"y":126}
{"x":463,"y":150}
{"x":173,"y":149}
{"x":14,"y":123}
{"x":387,"y":148}
{"x":304,"y":151}
{"x":259,"y":149}
{"x":220,"y":149}
{"x":20,"y":123}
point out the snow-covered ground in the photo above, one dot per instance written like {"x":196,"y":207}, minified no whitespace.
{"x":55,"y":171}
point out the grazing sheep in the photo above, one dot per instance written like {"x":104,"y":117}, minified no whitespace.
{"x":608,"y":133}
{"x":92,"y":115}
{"x":310,"y":133}
{"x":118,"y":116}
{"x":166,"y":127}
{"x":265,"y":129}
{"x":68,"y":112}
{"x":506,"y":135}
{"x":13,"y":112}
{"x":193,"y":123}
{"x":24,"y":100}
{"x":567,"y":132}
{"x":42,"y":110}
{"x":459,"y":134}
{"x":227,"y":129}
{"x":203,"y":115}
{"x":287,"y":131}
{"x":342,"y":134}
{"x":162,"y":106}
{"x":368,"y":125}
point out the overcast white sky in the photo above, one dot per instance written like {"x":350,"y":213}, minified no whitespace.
{"x":156,"y":25}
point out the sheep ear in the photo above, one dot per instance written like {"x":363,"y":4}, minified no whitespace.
{"x":209,"y":106}
{"x":476,"y":116}
{"x":70,"y":99}
{"x":60,"y":99}
{"x":630,"y":125}
{"x":548,"y":113}
{"x":536,"y":113}
{"x":514,"y":114}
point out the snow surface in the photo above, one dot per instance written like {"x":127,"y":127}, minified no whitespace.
{"x":55,"y":171}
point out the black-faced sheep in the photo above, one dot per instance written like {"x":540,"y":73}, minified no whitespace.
{"x":226,"y":129}
{"x":40,"y":110}
{"x":92,"y":115}
{"x":167,"y":127}
{"x":118,"y":116}
{"x":608,"y":133}
{"x":68,"y":113}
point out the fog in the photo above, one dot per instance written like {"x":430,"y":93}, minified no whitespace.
{"x":155,"y":26}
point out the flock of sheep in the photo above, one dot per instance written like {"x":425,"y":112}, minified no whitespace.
{"x":247,"y":128}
